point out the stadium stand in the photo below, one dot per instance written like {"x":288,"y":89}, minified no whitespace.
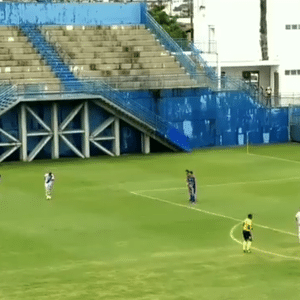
{"x":21,"y":64}
{"x":121,"y":84}
{"x":127,"y":57}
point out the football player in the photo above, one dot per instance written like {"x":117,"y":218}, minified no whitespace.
{"x":191,"y":183}
{"x":247,"y":233}
{"x":49,"y":182}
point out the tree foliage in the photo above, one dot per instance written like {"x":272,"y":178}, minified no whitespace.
{"x":263,"y":30}
{"x":168,"y":23}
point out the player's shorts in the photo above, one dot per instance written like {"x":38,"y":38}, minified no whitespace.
{"x":49,"y":186}
{"x":247,"y":235}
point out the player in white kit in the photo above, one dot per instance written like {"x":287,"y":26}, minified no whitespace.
{"x":49,"y":182}
{"x":298,"y":223}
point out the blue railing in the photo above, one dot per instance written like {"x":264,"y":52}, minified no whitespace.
{"x":8,"y":95}
{"x":171,"y":45}
{"x":209,"y":71}
{"x":162,"y":128}
{"x":51,"y":57}
{"x":217,"y":82}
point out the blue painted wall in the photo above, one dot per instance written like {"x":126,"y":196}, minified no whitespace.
{"x":224,"y":119}
{"x":217,"y":119}
{"x":72,"y":13}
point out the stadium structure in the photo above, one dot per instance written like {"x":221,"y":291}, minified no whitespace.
{"x":105,"y":78}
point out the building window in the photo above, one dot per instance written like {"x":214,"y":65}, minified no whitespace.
{"x":294,"y":72}
{"x":294,"y":26}
{"x":287,"y":72}
{"x":287,"y":27}
{"x":298,"y":72}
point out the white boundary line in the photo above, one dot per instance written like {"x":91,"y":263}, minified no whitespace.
{"x":210,"y":213}
{"x":226,"y":217}
{"x":221,"y":184}
{"x":274,"y":157}
{"x":263,"y":251}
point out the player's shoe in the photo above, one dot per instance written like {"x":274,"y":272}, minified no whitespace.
{"x":249,"y":251}
{"x":48,"y":197}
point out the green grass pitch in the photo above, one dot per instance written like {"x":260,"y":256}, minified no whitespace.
{"x":121,"y":228}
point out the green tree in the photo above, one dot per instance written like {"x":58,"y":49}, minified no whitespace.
{"x":168,"y":23}
{"x":263,"y":30}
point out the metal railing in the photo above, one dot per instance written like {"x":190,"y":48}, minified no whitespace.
{"x":148,"y":82}
{"x":112,"y":96}
{"x":8,"y":95}
{"x":171,"y":45}
{"x":48,"y":53}
{"x":61,"y":51}
{"x":204,"y":47}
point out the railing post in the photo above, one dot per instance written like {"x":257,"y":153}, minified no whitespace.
{"x":23,"y":132}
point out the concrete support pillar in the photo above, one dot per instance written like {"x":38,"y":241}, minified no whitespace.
{"x":116,"y":146}
{"x":145,"y":143}
{"x":23,"y":132}
{"x":86,"y":128}
{"x":55,"y":142}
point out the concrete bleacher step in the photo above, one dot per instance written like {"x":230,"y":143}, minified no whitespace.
{"x":86,"y":63}
{"x":106,"y":30}
{"x":130,"y":72}
{"x":71,"y":45}
{"x":146,"y":78}
{"x":153,"y":84}
{"x":19,"y":69}
{"x":32,"y":56}
{"x":13,"y":45}
{"x":130,"y":66}
{"x":19,"y":61}
{"x":116,"y":52}
{"x":12,"y":39}
{"x":88,"y":49}
{"x":28,"y":75}
{"x":22,"y":50}
{"x":101,"y":38}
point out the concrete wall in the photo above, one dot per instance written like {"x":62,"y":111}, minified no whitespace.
{"x":71,"y":14}
{"x":237,"y":72}
{"x":237,"y":25}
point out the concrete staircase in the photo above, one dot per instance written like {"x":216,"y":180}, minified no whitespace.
{"x":127,"y":57}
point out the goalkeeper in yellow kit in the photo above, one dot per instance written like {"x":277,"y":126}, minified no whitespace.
{"x":247,"y":234}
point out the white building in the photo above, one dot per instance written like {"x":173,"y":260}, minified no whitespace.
{"x":235,"y":27}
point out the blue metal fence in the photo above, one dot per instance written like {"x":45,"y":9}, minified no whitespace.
{"x":162,"y":127}
{"x":51,"y":56}
{"x":8,"y":95}
{"x":171,"y":45}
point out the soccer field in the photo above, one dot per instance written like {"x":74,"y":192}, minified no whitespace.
{"x":121,"y":228}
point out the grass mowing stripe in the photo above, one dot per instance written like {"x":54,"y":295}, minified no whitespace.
{"x":260,"y":250}
{"x":233,"y":228}
{"x":222,"y":184}
{"x":212,"y":213}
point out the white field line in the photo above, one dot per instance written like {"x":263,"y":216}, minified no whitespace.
{"x":263,"y":251}
{"x":230,"y":218}
{"x":210,"y":213}
{"x":222,"y":184}
{"x":274,"y":157}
